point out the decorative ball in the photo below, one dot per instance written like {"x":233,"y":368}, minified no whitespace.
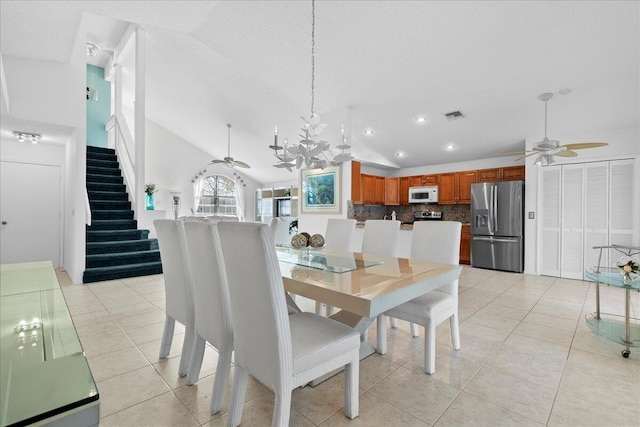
{"x":307,"y":235}
{"x":316,"y":241}
{"x":299,"y":241}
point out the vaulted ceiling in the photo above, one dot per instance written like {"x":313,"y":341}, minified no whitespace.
{"x":378,"y":65}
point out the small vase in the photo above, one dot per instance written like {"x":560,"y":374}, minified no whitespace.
{"x":149,"y":202}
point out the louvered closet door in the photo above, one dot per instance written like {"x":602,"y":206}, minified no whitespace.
{"x":596,"y":212}
{"x":621,"y":189}
{"x":550,"y":253}
{"x":572,"y":222}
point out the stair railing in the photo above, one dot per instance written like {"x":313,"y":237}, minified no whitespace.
{"x":124,"y":145}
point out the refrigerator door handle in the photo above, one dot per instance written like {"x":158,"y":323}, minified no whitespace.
{"x":495,"y":239}
{"x":494,"y":190}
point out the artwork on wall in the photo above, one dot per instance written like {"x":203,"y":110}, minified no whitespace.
{"x":321,"y":190}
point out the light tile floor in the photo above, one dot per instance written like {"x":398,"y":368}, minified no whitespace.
{"x":527,"y":359}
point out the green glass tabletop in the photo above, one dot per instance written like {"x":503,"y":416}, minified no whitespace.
{"x":334,"y":262}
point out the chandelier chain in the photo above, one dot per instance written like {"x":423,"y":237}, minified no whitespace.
{"x":313,"y":52}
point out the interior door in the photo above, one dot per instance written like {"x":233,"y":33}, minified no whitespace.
{"x":571,"y":262}
{"x":30,"y":210}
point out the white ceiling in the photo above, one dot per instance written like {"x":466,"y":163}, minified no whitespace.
{"x":379,"y":64}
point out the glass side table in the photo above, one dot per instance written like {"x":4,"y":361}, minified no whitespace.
{"x":614,"y":327}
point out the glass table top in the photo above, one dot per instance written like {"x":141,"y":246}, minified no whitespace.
{"x":336,"y":262}
{"x":43,"y":369}
{"x":612,"y":276}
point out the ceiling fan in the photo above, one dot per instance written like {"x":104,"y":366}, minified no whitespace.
{"x":546,"y":148}
{"x":229,"y":161}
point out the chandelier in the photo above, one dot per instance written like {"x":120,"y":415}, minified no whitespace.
{"x":310,"y":151}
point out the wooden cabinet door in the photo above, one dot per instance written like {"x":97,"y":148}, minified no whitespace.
{"x":379,"y":190}
{"x":465,"y":179}
{"x":513,"y":173}
{"x":392,"y":191}
{"x":356,"y":183}
{"x":404,"y":191}
{"x":430,"y":180}
{"x":415,"y":181}
{"x":465,"y":245}
{"x":489,"y":175}
{"x":368,"y":189}
{"x":447,"y":189}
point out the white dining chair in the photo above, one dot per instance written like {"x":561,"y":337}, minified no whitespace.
{"x":436,"y":241}
{"x":281,"y":351}
{"x":211,"y":303}
{"x":338,"y":236}
{"x":380,"y":238}
{"x":177,"y":288}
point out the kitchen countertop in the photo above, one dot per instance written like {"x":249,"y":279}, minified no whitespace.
{"x":404,"y":226}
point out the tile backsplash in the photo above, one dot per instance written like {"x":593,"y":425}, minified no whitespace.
{"x":460,"y":213}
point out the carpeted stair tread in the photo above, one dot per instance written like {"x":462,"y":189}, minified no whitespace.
{"x":122,"y":258}
{"x":105,"y":186}
{"x":116,"y":205}
{"x":116,"y":235}
{"x":94,"y":149}
{"x":95,"y":170}
{"x":102,"y":156}
{"x":107,"y":195}
{"x":112,"y":224}
{"x":103,"y":163}
{"x":100,"y":274}
{"x":104,"y":179}
{"x":119,"y":246}
{"x":100,"y":214}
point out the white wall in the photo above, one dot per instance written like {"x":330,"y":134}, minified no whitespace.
{"x":172,"y":162}
{"x":624,"y":142}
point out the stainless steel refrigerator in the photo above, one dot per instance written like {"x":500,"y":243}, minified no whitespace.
{"x":497,"y":225}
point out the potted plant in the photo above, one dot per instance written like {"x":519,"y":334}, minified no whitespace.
{"x":149,"y":189}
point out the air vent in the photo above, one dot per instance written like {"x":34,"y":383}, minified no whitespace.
{"x":455,"y":115}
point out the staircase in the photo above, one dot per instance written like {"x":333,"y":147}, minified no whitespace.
{"x":115,"y":246}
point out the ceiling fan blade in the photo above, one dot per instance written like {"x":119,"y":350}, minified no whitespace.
{"x":214,"y":162}
{"x":566,"y":153}
{"x":583,"y":145}
{"x":509,"y":153}
{"x":525,"y":156}
{"x":241,"y":164}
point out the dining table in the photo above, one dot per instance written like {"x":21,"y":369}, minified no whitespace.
{"x":361,"y":285}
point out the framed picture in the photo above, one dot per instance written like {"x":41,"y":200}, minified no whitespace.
{"x":321,"y":190}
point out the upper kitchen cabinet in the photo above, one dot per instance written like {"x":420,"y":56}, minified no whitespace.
{"x":513,"y":173}
{"x":422,"y":180}
{"x":356,"y":183}
{"x":380,"y":189}
{"x":404,"y":191}
{"x":455,"y":187}
{"x":372,"y":189}
{"x":392,"y":191}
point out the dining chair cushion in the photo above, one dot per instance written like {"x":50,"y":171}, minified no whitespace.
{"x":424,"y":306}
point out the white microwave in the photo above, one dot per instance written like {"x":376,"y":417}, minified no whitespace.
{"x":428,"y":194}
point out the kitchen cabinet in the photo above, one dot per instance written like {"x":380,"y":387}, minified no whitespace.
{"x":422,"y":180}
{"x":392,"y":191}
{"x":455,"y":187}
{"x":379,"y":200}
{"x":356,"y":183}
{"x":368,"y":189}
{"x":513,"y":173}
{"x":465,"y":244}
{"x":404,"y":191}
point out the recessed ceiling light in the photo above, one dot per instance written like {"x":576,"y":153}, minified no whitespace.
{"x":450,"y":147}
{"x":401,"y":154}
{"x":564,"y":91}
{"x":421,"y":119}
{"x":368,"y":132}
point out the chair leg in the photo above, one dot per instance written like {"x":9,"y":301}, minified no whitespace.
{"x":330,"y":310}
{"x":318,"y":308}
{"x":282,"y":409}
{"x":382,"y":334}
{"x":167,"y":337}
{"x":430,"y":348}
{"x":185,"y":356}
{"x":393,"y":322}
{"x":351,"y":398}
{"x":414,"y":330}
{"x":197,"y":354}
{"x":455,"y":331}
{"x":240,"y":379}
{"x":222,"y":375}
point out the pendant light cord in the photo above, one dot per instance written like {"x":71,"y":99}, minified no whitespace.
{"x":228,"y":140}
{"x":545,"y":119}
{"x":313,"y":52}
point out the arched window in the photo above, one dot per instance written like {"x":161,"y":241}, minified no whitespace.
{"x":218,"y":196}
